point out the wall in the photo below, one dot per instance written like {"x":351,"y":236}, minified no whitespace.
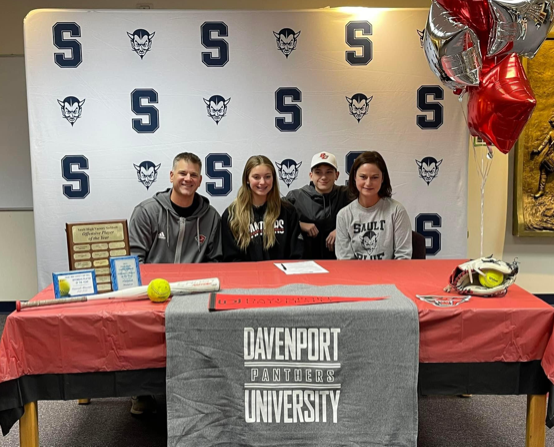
{"x":18,"y":261}
{"x":536,"y":255}
{"x":496,"y":202}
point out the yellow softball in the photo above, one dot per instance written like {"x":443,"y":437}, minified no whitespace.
{"x":159,"y":290}
{"x":64,"y":287}
{"x":491,"y":279}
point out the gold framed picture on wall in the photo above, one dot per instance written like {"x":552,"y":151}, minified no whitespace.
{"x":534,"y":153}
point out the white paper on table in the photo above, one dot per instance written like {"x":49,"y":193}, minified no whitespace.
{"x":300,"y":268}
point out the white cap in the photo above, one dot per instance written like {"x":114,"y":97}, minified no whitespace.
{"x":324,"y":158}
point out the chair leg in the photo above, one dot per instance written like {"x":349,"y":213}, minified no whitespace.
{"x":28,"y":426}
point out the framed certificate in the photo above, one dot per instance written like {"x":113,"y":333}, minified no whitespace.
{"x":71,"y":284}
{"x":125,"y":272}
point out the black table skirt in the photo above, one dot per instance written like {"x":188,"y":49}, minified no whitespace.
{"x":434,"y":379}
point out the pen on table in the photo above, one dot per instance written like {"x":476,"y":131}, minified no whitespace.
{"x":283,"y":265}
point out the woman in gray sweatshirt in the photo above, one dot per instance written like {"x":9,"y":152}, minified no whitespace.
{"x":374,"y":226}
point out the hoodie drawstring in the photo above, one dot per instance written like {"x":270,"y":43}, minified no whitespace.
{"x":326,"y":206}
{"x":198,"y":233}
{"x":167,"y":227}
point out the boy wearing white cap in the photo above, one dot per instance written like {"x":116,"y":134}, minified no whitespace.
{"x":318,"y":205}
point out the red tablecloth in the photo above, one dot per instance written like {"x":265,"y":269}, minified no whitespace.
{"x":119,"y":335}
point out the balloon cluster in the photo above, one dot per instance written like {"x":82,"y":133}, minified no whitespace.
{"x":473,"y":46}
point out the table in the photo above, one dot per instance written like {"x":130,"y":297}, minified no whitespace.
{"x":487,"y":346}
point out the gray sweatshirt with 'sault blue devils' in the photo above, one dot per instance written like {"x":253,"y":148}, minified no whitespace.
{"x":382,"y":231}
{"x":158,"y":235}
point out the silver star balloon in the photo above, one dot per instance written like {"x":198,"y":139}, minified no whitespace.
{"x":452,"y":49}
{"x":519,"y":26}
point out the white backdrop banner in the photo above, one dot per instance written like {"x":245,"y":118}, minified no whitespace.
{"x":113,"y":96}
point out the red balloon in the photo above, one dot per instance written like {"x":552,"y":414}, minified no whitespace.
{"x":502,"y":104}
{"x":473,"y":13}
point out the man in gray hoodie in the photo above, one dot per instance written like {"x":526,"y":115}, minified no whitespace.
{"x":173,"y":227}
{"x":177,"y":225}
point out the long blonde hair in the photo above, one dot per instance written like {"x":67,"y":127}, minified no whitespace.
{"x":241,"y":214}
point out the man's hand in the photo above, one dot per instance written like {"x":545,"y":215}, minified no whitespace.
{"x":330,"y":241}
{"x":309,"y":228}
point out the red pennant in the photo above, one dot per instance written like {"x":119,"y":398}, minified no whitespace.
{"x":223,"y":301}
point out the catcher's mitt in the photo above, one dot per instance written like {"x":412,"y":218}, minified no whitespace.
{"x":465,"y":278}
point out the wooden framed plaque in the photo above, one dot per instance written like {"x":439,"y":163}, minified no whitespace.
{"x":91,"y":244}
